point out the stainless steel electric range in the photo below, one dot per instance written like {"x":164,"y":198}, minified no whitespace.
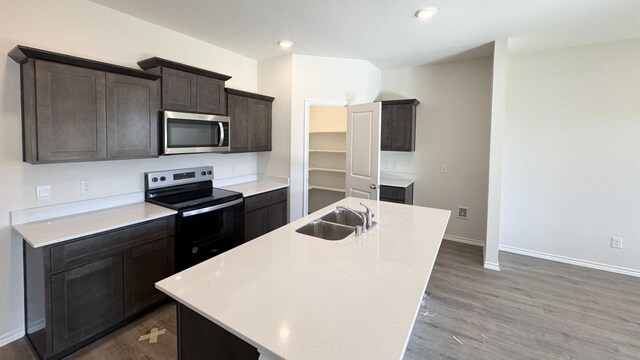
{"x":209,"y":222}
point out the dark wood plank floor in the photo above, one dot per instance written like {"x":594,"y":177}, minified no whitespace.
{"x":532,"y":309}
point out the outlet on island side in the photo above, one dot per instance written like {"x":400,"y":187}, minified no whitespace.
{"x":616,"y":242}
{"x":463,"y":212}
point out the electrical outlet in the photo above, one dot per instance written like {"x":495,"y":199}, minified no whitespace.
{"x":85,"y":186}
{"x":396,"y":165}
{"x":43,"y":192}
{"x":463,"y":212}
{"x":389,"y":165}
{"x":616,"y":242}
{"x":443,"y":169}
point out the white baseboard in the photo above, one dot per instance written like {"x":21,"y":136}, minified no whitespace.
{"x":492,"y":266}
{"x":463,"y":240}
{"x":11,"y":336}
{"x":572,"y":261}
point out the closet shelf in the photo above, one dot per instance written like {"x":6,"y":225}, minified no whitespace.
{"x":328,"y":151}
{"x":327,"y":170}
{"x":327,"y":132}
{"x":318,"y":187}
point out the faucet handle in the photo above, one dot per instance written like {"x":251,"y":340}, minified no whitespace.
{"x":369,"y":213}
{"x":368,"y":217}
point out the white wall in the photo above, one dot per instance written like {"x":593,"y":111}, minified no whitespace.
{"x":571,"y":175}
{"x":88,"y":30}
{"x":327,"y":79}
{"x":498,"y":108}
{"x":452,"y":128}
{"x":275,"y":79}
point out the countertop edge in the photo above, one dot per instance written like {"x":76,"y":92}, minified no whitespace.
{"x":167,"y":212}
{"x":275,"y":186}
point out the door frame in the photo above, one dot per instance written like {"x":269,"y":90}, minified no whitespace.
{"x":308,"y":103}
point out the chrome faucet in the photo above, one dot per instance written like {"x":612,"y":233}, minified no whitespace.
{"x":359,"y":228}
{"x":368,"y":217}
{"x":365,"y":216}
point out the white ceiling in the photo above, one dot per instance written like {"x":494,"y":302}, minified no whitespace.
{"x":386,"y":31}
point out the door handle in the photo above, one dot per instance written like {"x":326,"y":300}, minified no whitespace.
{"x":221,"y":133}
{"x":373,"y":186}
{"x":211,"y":208}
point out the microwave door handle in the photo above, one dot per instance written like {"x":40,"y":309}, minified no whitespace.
{"x":211,"y":208}
{"x":221,"y":133}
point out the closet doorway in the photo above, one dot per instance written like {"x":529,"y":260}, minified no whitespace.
{"x":325,"y":154}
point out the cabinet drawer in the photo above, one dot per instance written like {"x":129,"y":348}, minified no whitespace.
{"x":97,"y":246}
{"x":262,"y":200}
{"x":392,"y":193}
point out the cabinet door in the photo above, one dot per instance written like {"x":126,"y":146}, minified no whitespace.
{"x":178,"y":90}
{"x":143,"y":267}
{"x":386,"y":127}
{"x":239,"y":124}
{"x":211,"y":97}
{"x":255,"y":224}
{"x":132,"y":117}
{"x":259,"y":125}
{"x":71,"y":119}
{"x":276,"y":216}
{"x":402,"y":136}
{"x":85,"y":301}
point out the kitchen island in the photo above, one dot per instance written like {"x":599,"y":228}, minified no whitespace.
{"x":286,"y":295}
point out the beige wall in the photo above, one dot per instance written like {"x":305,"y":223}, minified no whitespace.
{"x":571,"y":170}
{"x":84,"y":29}
{"x":453,"y":125}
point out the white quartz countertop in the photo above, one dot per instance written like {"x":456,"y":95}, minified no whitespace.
{"x":51,"y":231}
{"x":299,"y":297}
{"x":397,"y":182}
{"x":255,"y":187}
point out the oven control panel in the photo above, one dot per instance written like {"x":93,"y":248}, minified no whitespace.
{"x":166,"y":178}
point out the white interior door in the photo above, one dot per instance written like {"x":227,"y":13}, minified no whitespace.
{"x":363,"y":150}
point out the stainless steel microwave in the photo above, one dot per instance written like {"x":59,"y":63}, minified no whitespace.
{"x":189,"y":133}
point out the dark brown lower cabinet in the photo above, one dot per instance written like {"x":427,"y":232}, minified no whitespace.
{"x":264,"y":212}
{"x":397,"y":194}
{"x":144,"y":266}
{"x":85,"y":301}
{"x":199,"y":338}
{"x":82,"y":289}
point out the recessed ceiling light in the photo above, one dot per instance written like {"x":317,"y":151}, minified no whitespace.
{"x":285,"y":44}
{"x":426,"y":12}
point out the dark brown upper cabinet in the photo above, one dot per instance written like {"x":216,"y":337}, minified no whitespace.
{"x":188,"y":88}
{"x":76,"y":109}
{"x":398,"y":127}
{"x":132,"y":117}
{"x":250,"y":121}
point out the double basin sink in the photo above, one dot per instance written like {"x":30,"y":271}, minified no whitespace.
{"x":335,"y":225}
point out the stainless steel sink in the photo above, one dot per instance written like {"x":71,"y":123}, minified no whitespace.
{"x":326,"y":230}
{"x":343,"y":217}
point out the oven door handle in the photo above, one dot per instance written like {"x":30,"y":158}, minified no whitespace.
{"x":221,"y":133}
{"x":211,"y":208}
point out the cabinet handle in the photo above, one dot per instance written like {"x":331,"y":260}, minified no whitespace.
{"x":373,"y":186}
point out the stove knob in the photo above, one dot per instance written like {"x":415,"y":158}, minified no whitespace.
{"x":162,"y":178}
{"x":154,"y":179}
{"x":194,"y":250}
{"x":209,"y":172}
{"x":203,"y":173}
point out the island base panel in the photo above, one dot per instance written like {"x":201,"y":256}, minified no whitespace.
{"x":199,"y":338}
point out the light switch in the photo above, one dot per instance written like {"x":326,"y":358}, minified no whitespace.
{"x":43,"y":192}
